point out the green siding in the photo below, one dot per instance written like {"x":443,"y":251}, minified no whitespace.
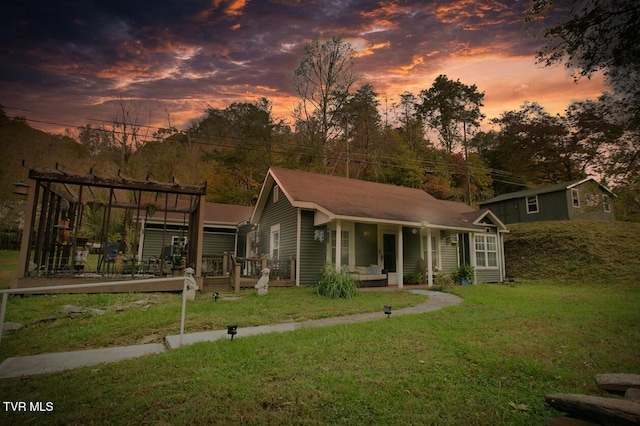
{"x":591,"y":208}
{"x":217,"y":243}
{"x":488,"y":275}
{"x":213,"y":242}
{"x":554,"y":206}
{"x":551,"y":206}
{"x":284,"y":214}
{"x":366,"y":244}
{"x":448,"y":255}
{"x":152,"y":245}
{"x":312,"y":252}
{"x":411,"y":251}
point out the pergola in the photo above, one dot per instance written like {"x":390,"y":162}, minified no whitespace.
{"x":56,"y":203}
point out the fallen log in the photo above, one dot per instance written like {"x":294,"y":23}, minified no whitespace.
{"x":633,"y":395}
{"x":568,"y":421}
{"x":617,"y":382}
{"x":607,"y":411}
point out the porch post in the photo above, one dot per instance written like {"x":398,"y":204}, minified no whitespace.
{"x":503,"y":269}
{"x":141,"y":239}
{"x":27,"y":231}
{"x":429,"y":259}
{"x":338,"y":244}
{"x":472,"y":256}
{"x":400,"y":258}
{"x":294,"y":266}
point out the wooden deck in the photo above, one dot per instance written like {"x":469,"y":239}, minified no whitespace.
{"x":54,"y":282}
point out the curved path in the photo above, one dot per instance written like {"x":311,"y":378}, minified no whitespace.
{"x":48,"y":363}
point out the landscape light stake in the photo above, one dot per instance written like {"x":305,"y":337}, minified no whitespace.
{"x":387,"y":310}
{"x":232,"y":330}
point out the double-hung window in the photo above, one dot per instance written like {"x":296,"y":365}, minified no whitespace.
{"x":532,"y":204}
{"x":486,"y":251}
{"x":274,"y":248}
{"x":344,"y":247}
{"x":575,"y":197}
{"x":434,"y":250}
{"x":606,"y":203}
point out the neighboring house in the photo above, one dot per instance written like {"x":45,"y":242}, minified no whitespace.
{"x":354,"y":224}
{"x":220,"y":233}
{"x":580,"y":199}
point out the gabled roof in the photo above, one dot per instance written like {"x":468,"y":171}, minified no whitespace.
{"x":334,"y":197}
{"x":544,"y":190}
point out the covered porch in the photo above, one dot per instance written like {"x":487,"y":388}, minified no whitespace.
{"x":412,"y":253}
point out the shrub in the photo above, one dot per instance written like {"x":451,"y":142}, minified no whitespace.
{"x":336,"y":284}
{"x":413,"y":278}
{"x":443,"y":281}
{"x":463,"y":271}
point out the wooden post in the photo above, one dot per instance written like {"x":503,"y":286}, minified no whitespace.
{"x":225,"y":264}
{"x":28,"y":232}
{"x":236,"y":278}
{"x":263,"y":263}
{"x":292,"y":269}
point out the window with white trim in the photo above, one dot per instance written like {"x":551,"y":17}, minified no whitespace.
{"x":344,"y":247}
{"x":532,"y":204}
{"x":276,"y":193}
{"x":606,"y":203}
{"x":575,"y":197}
{"x":435,"y":248}
{"x":274,"y":244}
{"x":175,"y":240}
{"x":486,"y":251}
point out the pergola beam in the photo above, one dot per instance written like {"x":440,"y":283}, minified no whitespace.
{"x":117,"y":183}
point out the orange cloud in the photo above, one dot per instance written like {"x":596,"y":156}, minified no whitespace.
{"x":229,"y":8}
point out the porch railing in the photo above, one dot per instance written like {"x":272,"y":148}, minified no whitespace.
{"x":214,"y":266}
{"x":279,"y":269}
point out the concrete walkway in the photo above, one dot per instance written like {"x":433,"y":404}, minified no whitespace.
{"x":49,"y":363}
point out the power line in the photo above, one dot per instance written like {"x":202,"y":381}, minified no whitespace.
{"x":419,"y":162}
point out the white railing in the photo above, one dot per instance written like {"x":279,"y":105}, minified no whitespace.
{"x":189,"y":284}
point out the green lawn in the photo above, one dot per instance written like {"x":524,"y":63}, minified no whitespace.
{"x":489,"y":361}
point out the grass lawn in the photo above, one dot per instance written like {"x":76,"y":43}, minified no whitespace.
{"x":489,"y":361}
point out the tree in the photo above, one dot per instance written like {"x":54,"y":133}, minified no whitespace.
{"x":118,"y":142}
{"x":322,"y":81}
{"x":410,"y":124}
{"x":535,"y":146}
{"x":452,"y":109}
{"x":362,"y":132}
{"x":240,"y":142}
{"x":594,"y":35}
{"x":590,"y":35}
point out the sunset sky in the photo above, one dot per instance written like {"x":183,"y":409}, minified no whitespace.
{"x":65,"y":63}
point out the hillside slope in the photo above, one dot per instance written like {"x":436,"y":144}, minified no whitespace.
{"x":575,"y":251}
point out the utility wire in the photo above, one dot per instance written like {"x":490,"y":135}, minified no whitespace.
{"x":418,"y":162}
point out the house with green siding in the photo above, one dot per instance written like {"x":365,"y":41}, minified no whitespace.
{"x":222,"y":223}
{"x":369,"y":229}
{"x":580,"y":199}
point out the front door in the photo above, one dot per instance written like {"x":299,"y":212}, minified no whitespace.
{"x":389,"y":256}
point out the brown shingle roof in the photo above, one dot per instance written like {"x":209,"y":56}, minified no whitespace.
{"x":342,"y":197}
